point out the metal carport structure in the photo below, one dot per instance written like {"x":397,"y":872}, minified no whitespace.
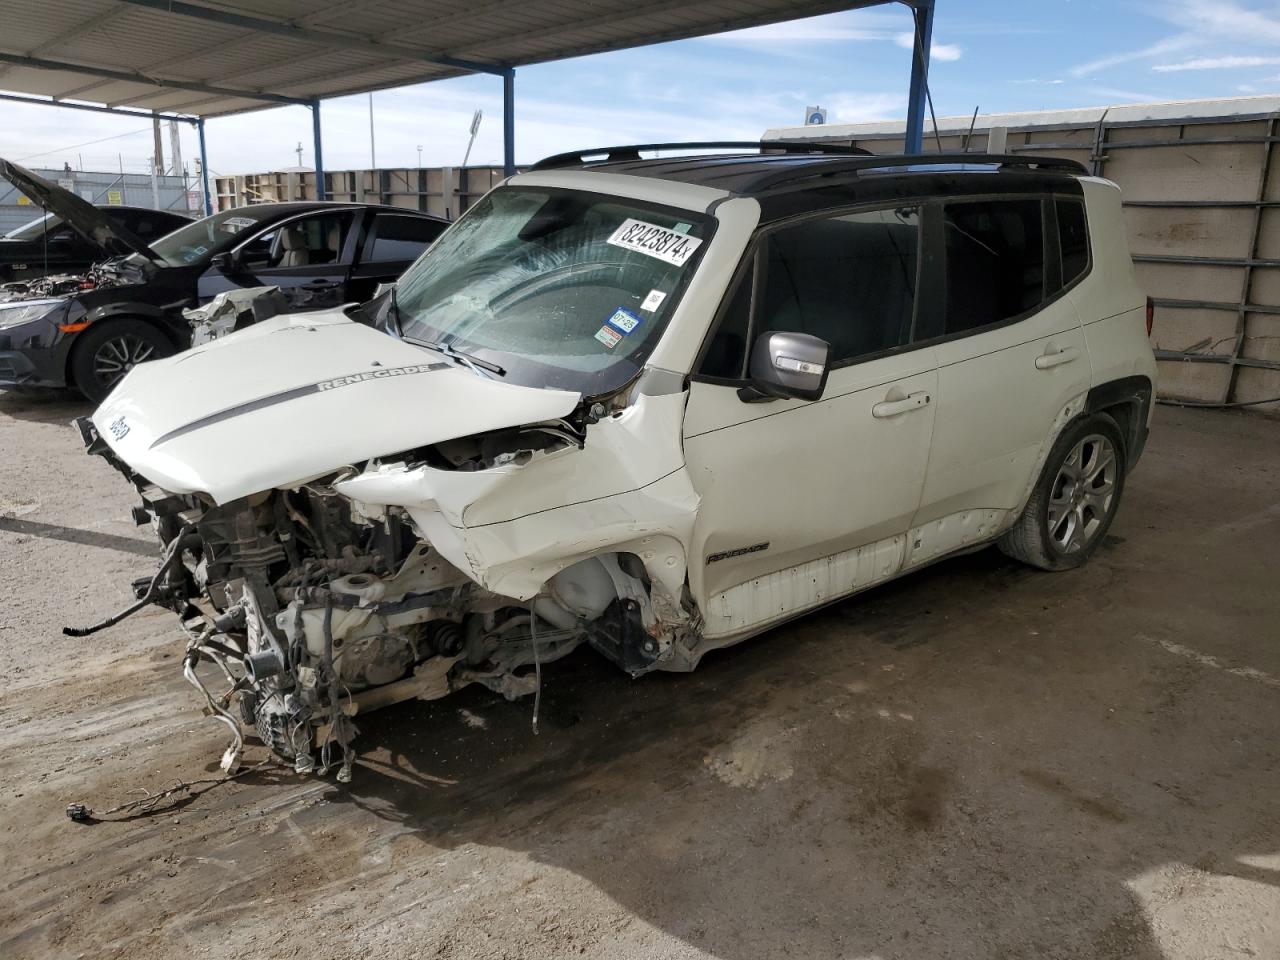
{"x":191,"y":61}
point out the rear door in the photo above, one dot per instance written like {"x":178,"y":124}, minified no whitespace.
{"x":1011,"y":357}
{"x":393,"y":241}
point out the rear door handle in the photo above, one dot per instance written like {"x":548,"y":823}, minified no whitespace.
{"x":894,"y":408}
{"x":1056,"y":358}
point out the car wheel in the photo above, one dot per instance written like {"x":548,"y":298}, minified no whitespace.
{"x":1075,"y":499}
{"x":109,"y":350}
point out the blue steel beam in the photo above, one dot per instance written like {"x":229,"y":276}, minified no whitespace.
{"x":321,"y":193}
{"x":922,"y":16}
{"x":204,"y":169}
{"x":319,"y":37}
{"x":509,"y":123}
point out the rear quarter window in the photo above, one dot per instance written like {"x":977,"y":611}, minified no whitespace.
{"x":1073,"y":240}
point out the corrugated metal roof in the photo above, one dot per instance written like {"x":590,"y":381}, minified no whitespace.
{"x":206,"y":58}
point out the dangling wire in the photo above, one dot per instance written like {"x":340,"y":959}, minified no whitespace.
{"x":537,"y":669}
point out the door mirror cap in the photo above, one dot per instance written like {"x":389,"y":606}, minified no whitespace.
{"x":224,"y":262}
{"x":790,"y":366}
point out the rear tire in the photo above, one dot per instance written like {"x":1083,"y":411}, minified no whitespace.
{"x":110,"y":349}
{"x":1074,"y":500}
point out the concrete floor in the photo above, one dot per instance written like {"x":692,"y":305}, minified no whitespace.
{"x":979,"y":761}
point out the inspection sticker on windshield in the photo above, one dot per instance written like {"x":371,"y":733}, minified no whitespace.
{"x":655,"y":241}
{"x":608,"y":336}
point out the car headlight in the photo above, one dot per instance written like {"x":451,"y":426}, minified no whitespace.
{"x":15,"y":314}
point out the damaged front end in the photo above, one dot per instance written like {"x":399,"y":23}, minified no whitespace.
{"x":355,"y":516}
{"x":307,"y":605}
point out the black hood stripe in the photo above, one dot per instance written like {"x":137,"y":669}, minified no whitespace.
{"x":321,"y":386}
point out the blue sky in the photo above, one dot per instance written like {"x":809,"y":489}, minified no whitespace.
{"x":1000,"y":55}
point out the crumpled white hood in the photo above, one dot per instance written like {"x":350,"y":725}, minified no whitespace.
{"x":297,"y":397}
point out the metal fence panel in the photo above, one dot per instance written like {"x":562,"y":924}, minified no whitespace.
{"x":130,"y":189}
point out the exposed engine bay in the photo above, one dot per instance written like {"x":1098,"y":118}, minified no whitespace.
{"x":61,"y":285}
{"x":304,"y":607}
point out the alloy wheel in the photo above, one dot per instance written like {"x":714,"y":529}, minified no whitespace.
{"x":118,"y":356}
{"x":1083,"y":493}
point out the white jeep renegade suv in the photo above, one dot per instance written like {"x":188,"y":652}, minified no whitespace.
{"x":652,"y":405}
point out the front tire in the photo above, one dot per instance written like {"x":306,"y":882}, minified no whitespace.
{"x":1075,"y":498}
{"x":108,"y":350}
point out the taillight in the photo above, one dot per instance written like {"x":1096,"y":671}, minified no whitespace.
{"x":1151,"y":314}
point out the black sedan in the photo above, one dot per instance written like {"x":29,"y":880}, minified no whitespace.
{"x":88,"y":331}
{"x":49,"y":244}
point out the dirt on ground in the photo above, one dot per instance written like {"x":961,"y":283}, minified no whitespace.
{"x":979,"y":761}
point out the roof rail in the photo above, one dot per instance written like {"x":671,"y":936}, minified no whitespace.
{"x":632,"y":151}
{"x":782,"y":179}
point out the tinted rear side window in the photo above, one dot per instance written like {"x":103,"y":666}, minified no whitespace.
{"x":1073,"y":238}
{"x":402,"y":238}
{"x":994,"y":261}
{"x":849,"y":280}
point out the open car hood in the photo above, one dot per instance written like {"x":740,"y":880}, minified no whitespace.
{"x":297,"y":397}
{"x":83,"y":217}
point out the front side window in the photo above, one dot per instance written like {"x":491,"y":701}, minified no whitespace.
{"x":849,"y":280}
{"x":995,"y":263}
{"x":560,"y":288}
{"x":307,"y":242}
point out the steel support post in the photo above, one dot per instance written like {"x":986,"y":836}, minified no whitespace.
{"x":922,"y":15}
{"x":204,"y":168}
{"x":509,"y":122}
{"x":315,"y":135}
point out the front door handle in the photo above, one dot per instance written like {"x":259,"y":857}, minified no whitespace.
{"x":1054,"y":358}
{"x":893,"y":408}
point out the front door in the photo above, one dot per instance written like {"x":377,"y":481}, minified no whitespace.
{"x":803,"y":502}
{"x":308,"y":258}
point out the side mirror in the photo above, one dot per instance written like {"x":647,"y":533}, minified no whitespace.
{"x":791,"y":366}
{"x":224,"y":263}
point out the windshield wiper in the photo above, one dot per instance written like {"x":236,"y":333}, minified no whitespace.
{"x":393,"y":314}
{"x":474,"y":364}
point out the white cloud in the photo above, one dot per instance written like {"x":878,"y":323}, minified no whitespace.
{"x":1216,"y":63}
{"x":860,"y":107}
{"x":943,"y":52}
{"x":1223,"y":20}
{"x":1170,"y":45}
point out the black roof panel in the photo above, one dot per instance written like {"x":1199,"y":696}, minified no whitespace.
{"x":801,"y":166}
